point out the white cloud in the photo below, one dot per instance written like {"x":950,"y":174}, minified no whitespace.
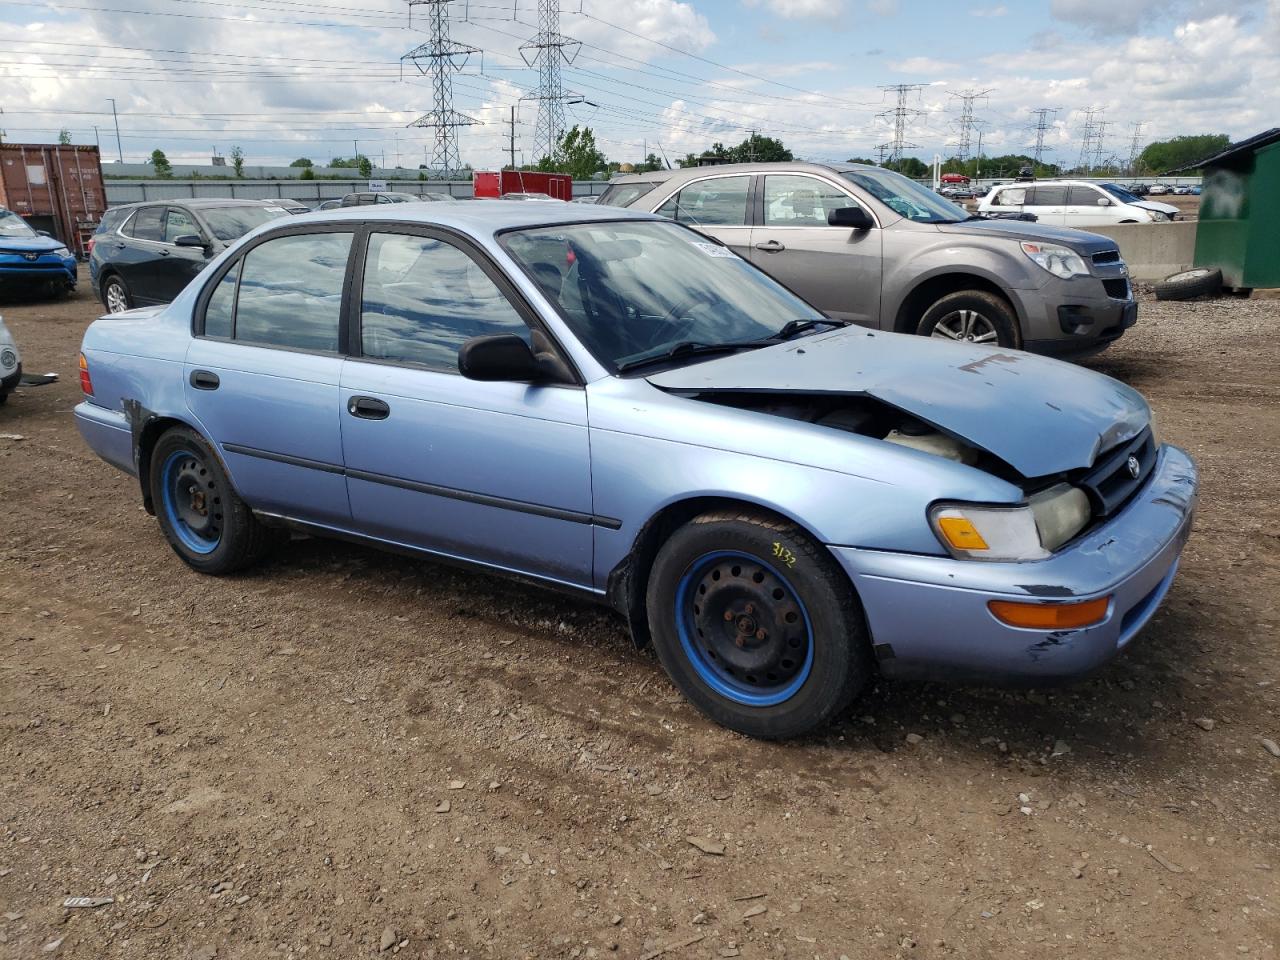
{"x":802,"y":9}
{"x":925,"y":66}
{"x":997,"y":11}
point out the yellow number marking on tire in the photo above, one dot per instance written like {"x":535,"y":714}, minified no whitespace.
{"x":783,"y":554}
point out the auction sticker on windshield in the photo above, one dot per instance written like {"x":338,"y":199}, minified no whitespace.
{"x":713,"y":249}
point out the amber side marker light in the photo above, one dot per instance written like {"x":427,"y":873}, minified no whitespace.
{"x":1050,"y":616}
{"x":86,"y":384}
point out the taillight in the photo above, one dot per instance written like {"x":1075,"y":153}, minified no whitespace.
{"x":86,"y":383}
{"x":88,"y":247}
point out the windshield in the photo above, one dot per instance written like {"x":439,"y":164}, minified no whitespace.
{"x":906,"y":197}
{"x":634,"y":290}
{"x":232,"y":223}
{"x":12,"y":225}
{"x":1120,"y":193}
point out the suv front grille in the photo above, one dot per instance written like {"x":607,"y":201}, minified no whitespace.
{"x":1117,"y":289}
{"x":1107,"y":256}
{"x":1110,"y":482}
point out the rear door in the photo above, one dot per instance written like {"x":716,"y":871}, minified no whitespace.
{"x":1048,"y":202}
{"x":836,"y":269}
{"x":714,"y":205}
{"x":134,"y":253}
{"x":262,"y":372}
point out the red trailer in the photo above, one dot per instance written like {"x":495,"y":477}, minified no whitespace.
{"x":55,"y":188}
{"x":498,"y":183}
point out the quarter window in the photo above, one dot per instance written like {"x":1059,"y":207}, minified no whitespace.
{"x":147,"y":224}
{"x":801,"y":201}
{"x":719,"y":202}
{"x":424,"y":298}
{"x":178,"y":223}
{"x":291,"y":292}
{"x":1012,"y":198}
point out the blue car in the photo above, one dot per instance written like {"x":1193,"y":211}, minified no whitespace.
{"x":29,"y":258}
{"x":610,"y":404}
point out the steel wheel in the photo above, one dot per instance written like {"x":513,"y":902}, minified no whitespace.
{"x":192,"y":501}
{"x":116,"y":296}
{"x":744,"y":629}
{"x":968,"y":325}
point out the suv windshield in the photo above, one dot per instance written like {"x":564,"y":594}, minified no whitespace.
{"x":906,"y":197}
{"x":1120,"y":193}
{"x":637,"y":290}
{"x":232,"y":223}
{"x":12,"y":225}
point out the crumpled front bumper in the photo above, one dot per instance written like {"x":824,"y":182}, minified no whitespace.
{"x":929,"y":618}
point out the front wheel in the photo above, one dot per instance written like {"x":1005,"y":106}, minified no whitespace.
{"x":972,"y":316}
{"x":757,"y":625}
{"x":202,"y":517}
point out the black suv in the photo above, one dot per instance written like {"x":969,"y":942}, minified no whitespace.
{"x":145,"y":253}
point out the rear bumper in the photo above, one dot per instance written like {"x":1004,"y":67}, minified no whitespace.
{"x":929,"y":618}
{"x":108,"y":435}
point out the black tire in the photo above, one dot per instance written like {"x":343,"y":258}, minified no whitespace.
{"x":110,"y":287}
{"x":202,"y":517}
{"x":1189,"y":284}
{"x":810,"y":625}
{"x":992,"y":312}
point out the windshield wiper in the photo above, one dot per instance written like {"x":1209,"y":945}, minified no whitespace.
{"x":687,"y":348}
{"x":792,"y":327}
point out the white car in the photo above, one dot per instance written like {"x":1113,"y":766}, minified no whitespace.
{"x":10,"y":363}
{"x":1076,"y":203}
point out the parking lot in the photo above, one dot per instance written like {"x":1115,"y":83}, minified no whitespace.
{"x":346,"y":753}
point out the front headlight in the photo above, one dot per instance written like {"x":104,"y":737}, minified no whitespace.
{"x":62,"y":252}
{"x":1060,"y":261}
{"x":1031,"y":531}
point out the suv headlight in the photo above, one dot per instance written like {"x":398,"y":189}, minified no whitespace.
{"x":1030,"y":531}
{"x":62,"y":252}
{"x":1060,"y":261}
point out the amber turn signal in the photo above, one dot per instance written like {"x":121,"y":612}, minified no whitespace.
{"x":86,"y":383}
{"x":1050,"y":616}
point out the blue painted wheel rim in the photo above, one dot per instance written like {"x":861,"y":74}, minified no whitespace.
{"x":744,"y":629}
{"x":191,"y":501}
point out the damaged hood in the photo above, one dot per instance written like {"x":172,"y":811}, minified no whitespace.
{"x":1040,"y":416}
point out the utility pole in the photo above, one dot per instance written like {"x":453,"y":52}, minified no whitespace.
{"x":966,"y":122}
{"x":547,"y":50}
{"x":902,"y":115}
{"x":443,"y":58}
{"x":116,"y":117}
{"x":977,"y":169}
{"x":1134,"y":143}
{"x":512,"y":140}
{"x":1044,"y":119}
{"x":97,"y":139}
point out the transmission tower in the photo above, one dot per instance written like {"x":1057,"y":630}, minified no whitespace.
{"x":902,"y":115}
{"x":966,"y":123}
{"x":547,"y":50}
{"x":1044,"y":119}
{"x":1134,"y":143}
{"x":1099,"y":139}
{"x":1090,"y":139}
{"x":439,"y":58}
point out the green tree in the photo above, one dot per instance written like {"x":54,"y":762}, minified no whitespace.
{"x":307,"y":174}
{"x":867,"y":160}
{"x":64,"y":136}
{"x":365,"y":166}
{"x":1165,"y":155}
{"x":912,"y":167}
{"x":302,"y":162}
{"x":576,"y":154}
{"x":237,"y":161}
{"x":161,"y":163}
{"x":758,"y":149}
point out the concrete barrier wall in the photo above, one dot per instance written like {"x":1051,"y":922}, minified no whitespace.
{"x":1153,"y":250}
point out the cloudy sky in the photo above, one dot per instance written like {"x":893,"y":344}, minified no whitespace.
{"x":289,"y":78}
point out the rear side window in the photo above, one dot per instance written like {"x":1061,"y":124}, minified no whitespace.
{"x":625,"y":194}
{"x":719,"y":202}
{"x":1046,"y":196}
{"x":290,"y":292}
{"x":147,"y":224}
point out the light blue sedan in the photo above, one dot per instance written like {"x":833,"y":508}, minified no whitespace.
{"x":610,"y":404}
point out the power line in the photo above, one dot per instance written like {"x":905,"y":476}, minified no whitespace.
{"x":1044,"y":119}
{"x":1089,"y":138}
{"x":1134,"y":144}
{"x":965,"y":124}
{"x":902,"y":115}
{"x":547,"y":50}
{"x":443,"y":57}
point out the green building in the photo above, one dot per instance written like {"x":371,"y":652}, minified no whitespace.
{"x":1239,"y":228}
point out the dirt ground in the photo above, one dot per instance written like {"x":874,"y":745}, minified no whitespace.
{"x":346,"y":753}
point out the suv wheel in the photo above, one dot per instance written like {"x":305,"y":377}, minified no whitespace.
{"x":115,"y":296}
{"x":971,"y":316}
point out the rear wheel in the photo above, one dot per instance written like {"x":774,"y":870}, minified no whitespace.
{"x":116,"y":296}
{"x":202,"y":517}
{"x":971,"y":316}
{"x":756,"y":624}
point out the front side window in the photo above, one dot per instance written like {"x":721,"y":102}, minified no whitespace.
{"x":12,"y":225}
{"x":635,"y":290}
{"x":147,"y":224}
{"x":424,"y":298}
{"x":718,"y":202}
{"x":791,"y":201}
{"x":291,"y":292}
{"x":1117,"y":191}
{"x":906,"y":197}
{"x":178,"y":223}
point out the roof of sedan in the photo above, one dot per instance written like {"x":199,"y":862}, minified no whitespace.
{"x":781,"y":166}
{"x":477,"y":216}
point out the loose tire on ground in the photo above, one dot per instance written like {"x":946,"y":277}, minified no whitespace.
{"x":972,"y":316}
{"x":757,"y":625}
{"x":1189,"y":284}
{"x":202,"y":517}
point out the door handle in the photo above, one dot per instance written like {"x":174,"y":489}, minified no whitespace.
{"x":164,"y":253}
{"x":204,"y":380}
{"x":772,"y":246}
{"x":368,"y":408}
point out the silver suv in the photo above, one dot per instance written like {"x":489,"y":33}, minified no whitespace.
{"x":865,"y":244}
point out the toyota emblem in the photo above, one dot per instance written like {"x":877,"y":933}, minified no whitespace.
{"x":1135,"y":467}
{"x":33,"y":257}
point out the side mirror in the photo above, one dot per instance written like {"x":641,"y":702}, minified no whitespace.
{"x":1104,"y":202}
{"x":855,"y":218}
{"x":189,"y":240}
{"x":502,"y":356}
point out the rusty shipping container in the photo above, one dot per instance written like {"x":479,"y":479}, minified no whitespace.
{"x":54,"y":188}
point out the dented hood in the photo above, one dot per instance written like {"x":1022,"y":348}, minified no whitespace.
{"x":1040,"y":416}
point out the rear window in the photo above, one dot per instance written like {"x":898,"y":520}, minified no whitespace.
{"x":625,"y":194}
